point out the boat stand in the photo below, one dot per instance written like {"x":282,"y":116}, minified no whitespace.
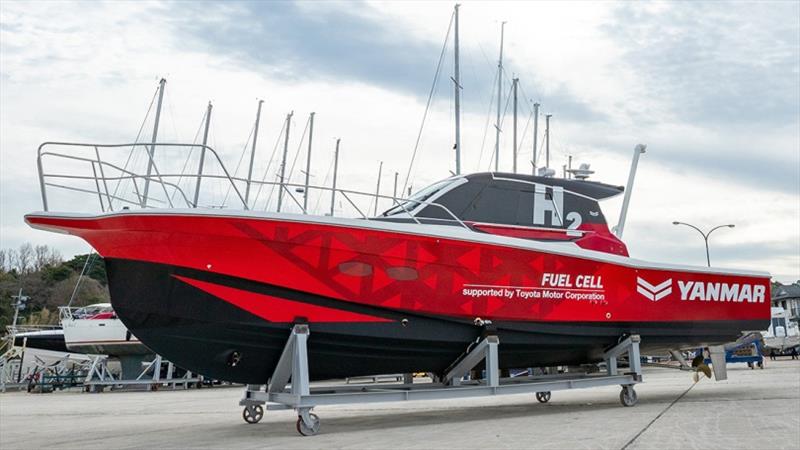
{"x":99,"y":377}
{"x":292,"y":369}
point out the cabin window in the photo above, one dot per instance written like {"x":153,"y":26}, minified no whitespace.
{"x":495,"y":205}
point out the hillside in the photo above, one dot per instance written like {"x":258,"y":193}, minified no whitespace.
{"x":49,"y":281}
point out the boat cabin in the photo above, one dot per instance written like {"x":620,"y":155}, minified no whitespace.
{"x":520,"y":206}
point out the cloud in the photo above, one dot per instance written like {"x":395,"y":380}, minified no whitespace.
{"x":714,"y":63}
{"x":712,"y":88}
{"x":289,"y":41}
{"x":354,"y":41}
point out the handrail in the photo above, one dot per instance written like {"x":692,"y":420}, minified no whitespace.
{"x":132,"y":175}
{"x":100,"y":177}
{"x":161,"y":178}
{"x":133,"y":145}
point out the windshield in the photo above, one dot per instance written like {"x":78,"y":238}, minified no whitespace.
{"x":92,"y":310}
{"x":420,"y":196}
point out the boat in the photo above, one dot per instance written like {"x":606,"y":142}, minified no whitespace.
{"x":526,"y":258}
{"x":95,"y":329}
{"x":49,"y":338}
{"x":783,"y":334}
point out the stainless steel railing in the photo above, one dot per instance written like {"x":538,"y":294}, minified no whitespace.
{"x":100,"y":174}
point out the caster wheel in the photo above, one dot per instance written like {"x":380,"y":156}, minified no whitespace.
{"x":543,"y":397}
{"x":628,"y":396}
{"x":303,"y":429}
{"x":252,"y":414}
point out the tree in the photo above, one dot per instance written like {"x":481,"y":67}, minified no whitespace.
{"x":96,"y":267}
{"x":45,"y":256}
{"x":41,"y":273}
{"x":11,"y":255}
{"x":24,"y":258}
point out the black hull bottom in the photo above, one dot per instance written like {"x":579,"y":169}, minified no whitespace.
{"x":201,"y":332}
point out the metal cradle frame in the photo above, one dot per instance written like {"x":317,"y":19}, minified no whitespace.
{"x":98,"y":376}
{"x":289,"y":386}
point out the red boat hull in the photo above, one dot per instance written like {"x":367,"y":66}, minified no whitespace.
{"x":198,"y":287}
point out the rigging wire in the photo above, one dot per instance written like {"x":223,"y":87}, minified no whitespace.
{"x":136,"y":141}
{"x":238,"y":165}
{"x":189,"y":156}
{"x":168,"y":96}
{"x":488,"y":119}
{"x":269,"y":164}
{"x":430,"y":98}
{"x":299,"y":149}
{"x":500,"y":125}
{"x":86,"y":264}
{"x":324,"y":183}
{"x":524,"y":132}
{"x":469,"y":58}
{"x":277,"y":175}
{"x":288,"y":178}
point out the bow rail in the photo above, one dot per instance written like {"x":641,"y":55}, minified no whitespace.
{"x":117,"y":181}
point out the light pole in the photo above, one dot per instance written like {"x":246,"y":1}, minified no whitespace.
{"x":705,"y":235}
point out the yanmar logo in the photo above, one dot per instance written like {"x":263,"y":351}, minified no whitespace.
{"x":653,"y":293}
{"x":703,"y":291}
{"x":722,"y":292}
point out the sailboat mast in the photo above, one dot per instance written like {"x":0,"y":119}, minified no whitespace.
{"x":308,"y":162}
{"x":283,"y":160}
{"x":378,"y":188}
{"x":515,"y":86}
{"x":499,"y":100}
{"x":202,"y":155}
{"x":457,"y":87}
{"x":335,"y":172}
{"x":252,"y":156}
{"x":152,"y":150}
{"x":535,"y":133}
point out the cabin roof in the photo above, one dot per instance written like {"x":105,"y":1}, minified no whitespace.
{"x":593,"y":189}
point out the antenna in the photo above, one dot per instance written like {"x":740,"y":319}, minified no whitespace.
{"x":623,"y":214}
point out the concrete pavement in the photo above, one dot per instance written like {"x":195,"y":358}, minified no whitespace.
{"x":752,"y":409}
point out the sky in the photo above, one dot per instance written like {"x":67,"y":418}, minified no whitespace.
{"x":713,"y":89}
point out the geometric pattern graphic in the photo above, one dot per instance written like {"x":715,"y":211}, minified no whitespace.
{"x":412,"y":271}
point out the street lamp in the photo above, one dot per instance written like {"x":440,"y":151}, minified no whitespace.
{"x":705,"y":235}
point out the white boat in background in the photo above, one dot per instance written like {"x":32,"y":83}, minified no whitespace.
{"x":782,"y":334}
{"x":95,"y":329}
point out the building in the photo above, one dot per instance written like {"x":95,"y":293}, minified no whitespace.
{"x":787,"y":296}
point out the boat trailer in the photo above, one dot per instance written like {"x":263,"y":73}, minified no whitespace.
{"x":292,"y":370}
